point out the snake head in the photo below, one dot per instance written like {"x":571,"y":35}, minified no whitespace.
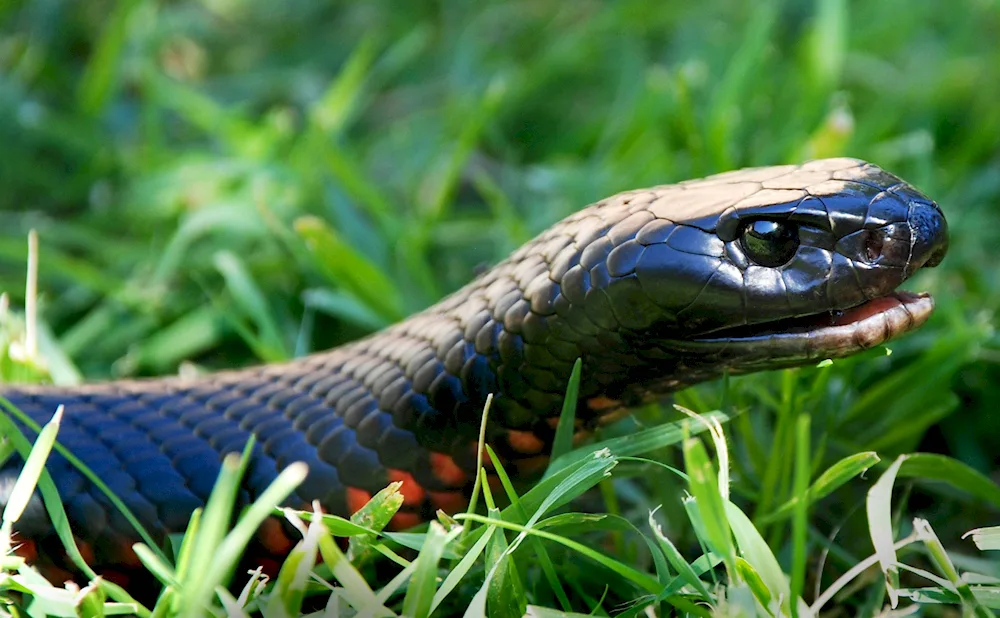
{"x":780,"y":266}
{"x":755,"y":269}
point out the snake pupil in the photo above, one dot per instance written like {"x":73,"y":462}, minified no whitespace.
{"x":770,"y":243}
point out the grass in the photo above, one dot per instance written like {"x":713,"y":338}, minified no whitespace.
{"x":734,"y":571}
{"x":219,"y":183}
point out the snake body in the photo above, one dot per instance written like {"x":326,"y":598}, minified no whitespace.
{"x":653,"y":289}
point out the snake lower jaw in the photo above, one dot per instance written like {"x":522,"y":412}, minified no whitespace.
{"x":801,"y":340}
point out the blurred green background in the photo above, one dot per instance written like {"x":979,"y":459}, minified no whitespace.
{"x":231,"y":181}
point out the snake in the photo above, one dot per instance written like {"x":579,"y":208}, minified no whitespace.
{"x":653,"y":290}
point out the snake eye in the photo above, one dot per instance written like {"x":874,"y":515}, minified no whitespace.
{"x":770,"y":243}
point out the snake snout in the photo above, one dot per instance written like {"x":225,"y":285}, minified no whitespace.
{"x":930,"y":235}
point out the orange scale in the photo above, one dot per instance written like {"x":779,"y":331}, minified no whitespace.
{"x":602,"y":403}
{"x":125,"y":555}
{"x":87,"y":550}
{"x":272,"y":537}
{"x":357,"y":498}
{"x":525,"y":442}
{"x":26,"y":549}
{"x":413,"y":493}
{"x":448,"y":501}
{"x":268,"y":566}
{"x":56,"y":575}
{"x":531,"y":466}
{"x":404,"y":520}
{"x":117,"y":577}
{"x":447,"y":471}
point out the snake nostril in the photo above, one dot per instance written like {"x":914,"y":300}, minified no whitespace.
{"x":931,"y":234}
{"x":874,"y":240}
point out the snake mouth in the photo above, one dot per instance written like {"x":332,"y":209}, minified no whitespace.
{"x":826,"y":335}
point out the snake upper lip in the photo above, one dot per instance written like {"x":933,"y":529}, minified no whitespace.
{"x":872,"y":322}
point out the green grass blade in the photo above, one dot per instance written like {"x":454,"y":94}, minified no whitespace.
{"x":340,"y":304}
{"x":231,"y":605}
{"x":423,"y":585}
{"x":187,"y":544}
{"x":251,"y":302}
{"x":753,"y":580}
{"x":935,"y":467}
{"x":394,"y":585}
{"x":224,"y":123}
{"x":704,"y":486}
{"x":99,"y":77}
{"x":800,"y":493}
{"x":505,"y":598}
{"x":333,"y":110}
{"x":828,"y":40}
{"x":760,"y":557}
{"x":535,"y":611}
{"x":638,"y":442}
{"x":187,"y":336}
{"x":345,"y":266}
{"x":289,"y":589}
{"x":985,"y":538}
{"x":737,"y":82}
{"x":374,"y":516}
{"x":459,"y":571}
{"x":686,"y":572}
{"x":441,"y":186}
{"x":544,"y":560}
{"x":834,"y":477}
{"x":637,"y":577}
{"x":879,"y":509}
{"x":27,"y":480}
{"x":563,"y":488}
{"x":563,"y":441}
{"x":160,"y":569}
{"x":354,"y":587}
{"x":90,"y":602}
{"x":939,"y":556}
{"x":232,"y":546}
{"x":204,"y":573}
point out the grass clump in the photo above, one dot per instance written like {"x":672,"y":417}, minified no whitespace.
{"x":502,"y":562}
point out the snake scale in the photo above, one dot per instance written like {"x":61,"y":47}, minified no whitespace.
{"x":654,"y":289}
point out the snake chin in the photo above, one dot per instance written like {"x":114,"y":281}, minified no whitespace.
{"x":815,"y":337}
